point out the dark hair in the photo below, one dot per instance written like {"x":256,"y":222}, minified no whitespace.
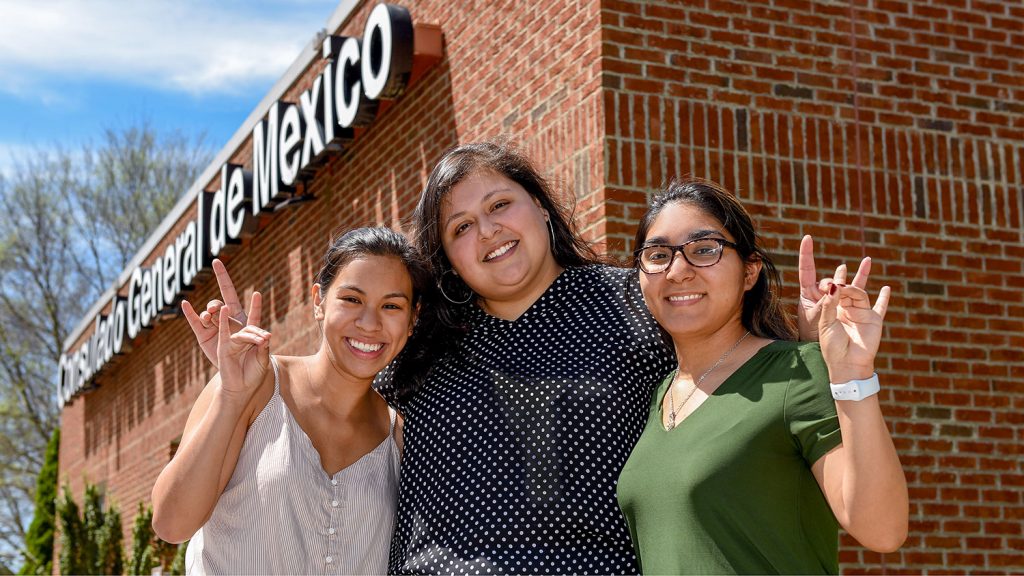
{"x":443,"y":323}
{"x":454,"y":167}
{"x":374,"y":241}
{"x":763,"y":313}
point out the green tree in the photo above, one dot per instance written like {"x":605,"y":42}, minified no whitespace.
{"x":142,"y":560}
{"x":91,"y":543}
{"x":148,"y":551}
{"x":92,"y":526}
{"x":72,"y":534}
{"x":39,"y":539}
{"x":109,"y":544}
{"x":72,"y":220}
{"x":178,"y":563}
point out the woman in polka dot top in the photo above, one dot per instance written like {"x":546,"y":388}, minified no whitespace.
{"x":525,"y":387}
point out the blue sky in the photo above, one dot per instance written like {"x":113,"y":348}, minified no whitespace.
{"x":71,"y":68}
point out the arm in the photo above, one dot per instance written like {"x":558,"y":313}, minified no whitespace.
{"x":862,"y":479}
{"x":187,"y":490}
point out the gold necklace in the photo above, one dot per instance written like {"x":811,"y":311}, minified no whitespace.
{"x":671,"y":396}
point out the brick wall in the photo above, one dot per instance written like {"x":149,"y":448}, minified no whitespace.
{"x":913,"y":153}
{"x":913,"y":156}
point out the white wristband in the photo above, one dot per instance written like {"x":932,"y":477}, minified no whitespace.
{"x":856,"y":390}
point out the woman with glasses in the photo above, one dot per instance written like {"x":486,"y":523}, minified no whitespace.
{"x":750,"y":461}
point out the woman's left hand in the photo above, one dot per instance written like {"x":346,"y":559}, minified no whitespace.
{"x":850,"y":328}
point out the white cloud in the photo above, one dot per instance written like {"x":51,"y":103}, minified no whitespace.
{"x":185,"y":45}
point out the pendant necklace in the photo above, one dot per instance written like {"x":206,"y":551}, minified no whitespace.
{"x":671,"y":396}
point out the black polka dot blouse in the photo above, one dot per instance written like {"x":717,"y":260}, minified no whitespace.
{"x":513,"y":448}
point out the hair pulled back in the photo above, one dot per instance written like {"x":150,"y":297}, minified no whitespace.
{"x":374,"y":241}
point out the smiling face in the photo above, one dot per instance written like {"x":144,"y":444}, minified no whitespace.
{"x":367,"y":315}
{"x":496,"y":237}
{"x":686,"y":300}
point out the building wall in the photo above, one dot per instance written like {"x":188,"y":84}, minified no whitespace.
{"x":913,"y":156}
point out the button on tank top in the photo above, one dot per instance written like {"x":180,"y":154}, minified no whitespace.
{"x":282,"y":514}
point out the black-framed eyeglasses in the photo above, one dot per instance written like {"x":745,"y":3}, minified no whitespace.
{"x":701,"y":253}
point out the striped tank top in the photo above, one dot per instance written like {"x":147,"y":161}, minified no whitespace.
{"x":280,"y":513}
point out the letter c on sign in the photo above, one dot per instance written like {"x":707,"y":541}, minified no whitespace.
{"x":387,"y":51}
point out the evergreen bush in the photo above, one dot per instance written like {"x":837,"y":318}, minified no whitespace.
{"x":91,"y":543}
{"x":71,"y":535}
{"x":39,"y":538}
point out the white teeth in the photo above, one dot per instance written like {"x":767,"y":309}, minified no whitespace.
{"x":501,"y":250}
{"x":365,"y":346}
{"x":685,"y":298}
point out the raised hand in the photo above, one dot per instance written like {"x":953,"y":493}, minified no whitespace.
{"x":243,"y":357}
{"x":850,"y":328}
{"x":205,"y":325}
{"x":813,"y":290}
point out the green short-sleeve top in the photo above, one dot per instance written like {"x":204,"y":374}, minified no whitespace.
{"x":730,"y":489}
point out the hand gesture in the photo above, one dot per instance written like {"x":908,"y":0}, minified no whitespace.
{"x":205,"y":325}
{"x":243,"y":357}
{"x":851,"y":329}
{"x":813,"y":290}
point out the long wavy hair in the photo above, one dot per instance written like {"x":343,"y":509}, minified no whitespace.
{"x":763,"y":313}
{"x":442,"y":323}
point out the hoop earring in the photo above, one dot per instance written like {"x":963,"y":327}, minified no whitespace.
{"x":551,"y":228}
{"x":440,"y":286}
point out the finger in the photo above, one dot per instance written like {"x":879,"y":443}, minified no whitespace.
{"x":223,"y":332}
{"x":263,"y":353}
{"x":829,"y":309}
{"x":193,"y":319}
{"x":824,"y":285}
{"x":213,"y":306}
{"x":248,"y":338}
{"x":851,"y":296}
{"x":255,"y":309}
{"x":208,"y":319}
{"x":227,"y":287}
{"x":807,"y":271}
{"x":256,"y":330}
{"x":840,"y":275}
{"x":860,"y":279}
{"x":882,"y":304}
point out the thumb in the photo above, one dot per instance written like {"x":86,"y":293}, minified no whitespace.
{"x":882,"y":303}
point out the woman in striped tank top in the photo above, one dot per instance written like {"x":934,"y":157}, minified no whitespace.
{"x":290,"y":464}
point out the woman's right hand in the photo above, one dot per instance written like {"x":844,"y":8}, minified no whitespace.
{"x":205,"y":325}
{"x":243,"y":357}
